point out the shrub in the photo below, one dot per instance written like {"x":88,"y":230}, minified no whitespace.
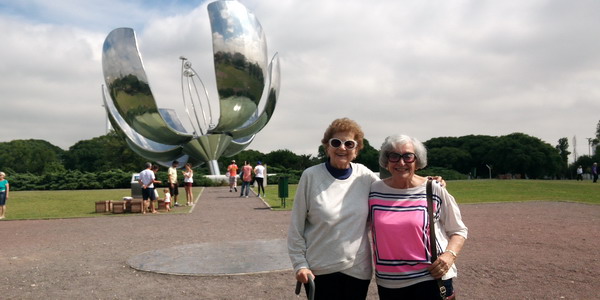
{"x":447,"y":174}
{"x":70,"y":180}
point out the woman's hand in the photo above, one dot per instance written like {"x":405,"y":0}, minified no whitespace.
{"x":302,"y":275}
{"x":438,"y":179}
{"x":441,"y":265}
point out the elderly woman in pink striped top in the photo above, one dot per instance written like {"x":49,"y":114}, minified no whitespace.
{"x":400,"y":226}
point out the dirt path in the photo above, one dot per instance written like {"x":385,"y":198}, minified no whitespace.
{"x":534,"y":250}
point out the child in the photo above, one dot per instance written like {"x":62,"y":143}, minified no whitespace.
{"x":167,"y":200}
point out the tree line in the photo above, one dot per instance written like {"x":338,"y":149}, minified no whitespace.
{"x":107,"y":162}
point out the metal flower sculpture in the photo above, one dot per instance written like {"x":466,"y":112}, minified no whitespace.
{"x":242,"y":73}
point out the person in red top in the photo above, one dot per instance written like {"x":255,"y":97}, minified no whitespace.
{"x":246,"y":175}
{"x":232,"y":172}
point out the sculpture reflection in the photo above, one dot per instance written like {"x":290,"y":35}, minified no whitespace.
{"x":242,"y":73}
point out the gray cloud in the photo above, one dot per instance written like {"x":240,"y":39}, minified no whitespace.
{"x":424,"y":69}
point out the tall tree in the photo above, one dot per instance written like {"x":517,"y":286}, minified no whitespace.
{"x":563,"y":151}
{"x":515,"y":153}
{"x":251,"y":156}
{"x":469,"y":154}
{"x":368,"y":156}
{"x":30,"y":156}
{"x":103,"y":153}
{"x":283,"y":159}
{"x":595,"y":142}
{"x":450,"y":158}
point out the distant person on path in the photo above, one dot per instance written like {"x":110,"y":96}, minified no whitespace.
{"x":259,"y":175}
{"x":232,"y":172}
{"x":400,"y":226}
{"x":167,"y":199}
{"x":595,"y":172}
{"x":246,"y":175}
{"x":579,"y":173}
{"x":173,"y":184}
{"x":188,"y":181}
{"x":147,"y":180}
{"x":4,"y":191}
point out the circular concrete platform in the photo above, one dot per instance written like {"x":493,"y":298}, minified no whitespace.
{"x":215,"y":259}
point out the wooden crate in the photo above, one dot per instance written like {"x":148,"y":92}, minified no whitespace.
{"x":135,"y":206}
{"x":102,"y":206}
{"x":118,"y":207}
{"x":162,"y":205}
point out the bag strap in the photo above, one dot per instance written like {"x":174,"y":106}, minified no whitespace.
{"x":432,"y":239}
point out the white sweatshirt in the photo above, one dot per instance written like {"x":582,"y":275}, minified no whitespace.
{"x":328,"y":232}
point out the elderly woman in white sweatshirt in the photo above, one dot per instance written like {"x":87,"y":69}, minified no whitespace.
{"x":327,"y":237}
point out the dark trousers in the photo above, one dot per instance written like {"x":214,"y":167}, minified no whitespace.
{"x":595,"y":177}
{"x":426,"y":290}
{"x":339,"y":286}
{"x":259,"y":182}
{"x":148,"y":194}
{"x":246,"y":187}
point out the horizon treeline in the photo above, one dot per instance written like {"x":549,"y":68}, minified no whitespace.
{"x":100,"y":159}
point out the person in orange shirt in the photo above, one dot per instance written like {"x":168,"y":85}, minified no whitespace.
{"x":246,"y":175}
{"x":232,"y":172}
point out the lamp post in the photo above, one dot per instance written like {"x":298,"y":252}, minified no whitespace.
{"x":490,"y":170}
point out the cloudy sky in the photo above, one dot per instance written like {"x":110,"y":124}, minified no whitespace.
{"x":423,"y":68}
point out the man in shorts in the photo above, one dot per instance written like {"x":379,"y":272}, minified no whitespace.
{"x":232,"y":172}
{"x":147,"y":181}
{"x":173,"y":184}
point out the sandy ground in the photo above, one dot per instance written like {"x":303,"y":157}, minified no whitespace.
{"x":533,"y":250}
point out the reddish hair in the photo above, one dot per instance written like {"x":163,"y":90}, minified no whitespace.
{"x":344,"y":125}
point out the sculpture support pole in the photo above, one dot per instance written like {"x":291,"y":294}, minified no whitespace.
{"x":213,"y":166}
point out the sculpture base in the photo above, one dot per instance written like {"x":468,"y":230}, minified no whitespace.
{"x":216,"y":259}
{"x":213,"y":167}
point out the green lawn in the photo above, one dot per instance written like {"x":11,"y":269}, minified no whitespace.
{"x":474,"y":191}
{"x":273,"y":197}
{"x":477,"y":191}
{"x":69,"y":204}
{"x":73,"y":204}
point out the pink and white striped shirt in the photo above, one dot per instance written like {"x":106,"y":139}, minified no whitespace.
{"x":400,"y":232}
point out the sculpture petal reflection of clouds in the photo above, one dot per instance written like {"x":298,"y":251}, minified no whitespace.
{"x":242,"y":72}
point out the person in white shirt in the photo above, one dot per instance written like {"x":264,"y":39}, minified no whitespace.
{"x":259,"y":176}
{"x":327,"y":237}
{"x":173,"y":183}
{"x":167,"y":199}
{"x":147,"y":181}
{"x":188,"y":181}
{"x":580,"y":173}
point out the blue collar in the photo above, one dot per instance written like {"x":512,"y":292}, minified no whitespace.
{"x":338,"y":173}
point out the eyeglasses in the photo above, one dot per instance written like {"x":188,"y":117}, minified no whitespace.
{"x":406,"y":157}
{"x":336,"y":143}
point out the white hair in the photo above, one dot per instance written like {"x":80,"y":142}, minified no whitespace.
{"x":394,"y":141}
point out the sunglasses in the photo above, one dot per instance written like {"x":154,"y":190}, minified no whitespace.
{"x":406,"y":157}
{"x":336,"y":143}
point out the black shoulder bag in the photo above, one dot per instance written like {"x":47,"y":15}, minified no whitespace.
{"x":432,"y":246}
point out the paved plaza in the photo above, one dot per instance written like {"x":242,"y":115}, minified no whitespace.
{"x":531,"y":250}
